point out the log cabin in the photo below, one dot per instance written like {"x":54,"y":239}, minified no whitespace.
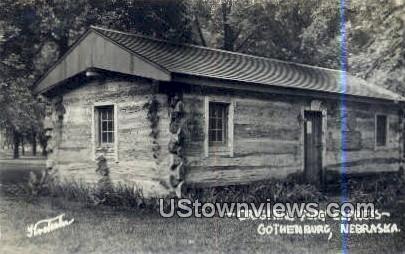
{"x":168,"y":115}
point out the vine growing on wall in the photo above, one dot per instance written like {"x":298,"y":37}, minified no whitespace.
{"x":152,"y":106}
{"x":176,"y":143}
{"x":53,"y":125}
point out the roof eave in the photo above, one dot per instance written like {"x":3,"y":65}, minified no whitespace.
{"x":166,"y":74}
{"x":258,"y":87}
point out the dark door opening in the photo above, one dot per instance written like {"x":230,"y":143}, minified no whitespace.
{"x":313,"y":147}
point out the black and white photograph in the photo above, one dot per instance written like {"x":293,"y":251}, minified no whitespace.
{"x":202,"y":126}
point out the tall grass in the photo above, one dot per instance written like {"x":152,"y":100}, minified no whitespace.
{"x":286,"y":190}
{"x":117,"y":195}
{"x":126,"y":196}
{"x":382,"y":190}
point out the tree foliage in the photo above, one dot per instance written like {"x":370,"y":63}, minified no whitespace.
{"x":35,"y":33}
{"x":374,"y":39}
{"x":310,"y":32}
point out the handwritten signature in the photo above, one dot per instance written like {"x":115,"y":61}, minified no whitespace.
{"x":48,"y":225}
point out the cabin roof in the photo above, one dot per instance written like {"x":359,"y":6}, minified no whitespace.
{"x":187,"y":59}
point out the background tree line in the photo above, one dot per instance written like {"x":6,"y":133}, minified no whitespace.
{"x":35,"y":33}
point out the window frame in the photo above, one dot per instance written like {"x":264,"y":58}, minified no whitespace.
{"x":100,"y":110}
{"x":111,"y":148}
{"x":226,"y":149}
{"x":376,"y":145}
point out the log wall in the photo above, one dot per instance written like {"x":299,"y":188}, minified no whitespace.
{"x":361,"y":153}
{"x":268,"y":138}
{"x":138,"y":162}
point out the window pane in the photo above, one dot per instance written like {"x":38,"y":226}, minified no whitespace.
{"x":220,"y":111}
{"x":211,"y":135}
{"x":110,"y":114}
{"x":103,"y":126}
{"x":110,"y":137}
{"x":219,"y":135}
{"x":110,"y":126}
{"x":104,"y":137}
{"x":219,"y":124}
{"x":213,"y":124}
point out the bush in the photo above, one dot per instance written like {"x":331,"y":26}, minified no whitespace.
{"x":37,"y":185}
{"x":40,"y":184}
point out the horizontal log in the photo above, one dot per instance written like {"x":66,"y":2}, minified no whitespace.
{"x":279,"y":160}
{"x":260,"y":131}
{"x":336,"y":157}
{"x":236,"y":175}
{"x":264,"y":146}
{"x":364,"y":162}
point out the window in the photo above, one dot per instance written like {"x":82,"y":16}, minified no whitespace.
{"x":104,"y":133}
{"x":217,"y":124}
{"x":105,"y":125}
{"x":381,"y":130}
{"x":218,"y":130}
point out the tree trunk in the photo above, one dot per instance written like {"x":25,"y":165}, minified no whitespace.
{"x":42,"y":142}
{"x":228,"y":33}
{"x":16,"y":141}
{"x":34,"y":144}
{"x":22,"y":145}
{"x":44,"y":153}
{"x":199,"y":31}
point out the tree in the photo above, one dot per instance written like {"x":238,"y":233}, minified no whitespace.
{"x":375,"y":40}
{"x":20,"y":116}
{"x":34,"y":34}
{"x":227,"y":24}
{"x":310,"y":32}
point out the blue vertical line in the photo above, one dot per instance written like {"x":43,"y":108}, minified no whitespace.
{"x":343,"y":114}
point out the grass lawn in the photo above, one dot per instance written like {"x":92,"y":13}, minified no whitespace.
{"x":106,"y":230}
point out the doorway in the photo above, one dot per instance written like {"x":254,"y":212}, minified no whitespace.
{"x":313,"y":147}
